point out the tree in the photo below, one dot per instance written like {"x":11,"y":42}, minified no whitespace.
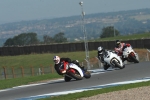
{"x":58,"y":38}
{"x":8,"y":42}
{"x":109,"y":32}
{"x":22,"y":39}
{"x":48,"y":39}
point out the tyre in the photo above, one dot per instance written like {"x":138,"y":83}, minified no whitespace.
{"x":106,"y":67}
{"x":118,"y":65}
{"x":76,"y":75}
{"x":87,"y":74}
{"x":134,"y":59}
{"x":123,"y":66}
{"x":67,"y":79}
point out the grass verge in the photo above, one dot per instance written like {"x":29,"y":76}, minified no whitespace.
{"x":90,"y":93}
{"x":9,"y":83}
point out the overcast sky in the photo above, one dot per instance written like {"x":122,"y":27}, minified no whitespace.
{"x":18,"y":10}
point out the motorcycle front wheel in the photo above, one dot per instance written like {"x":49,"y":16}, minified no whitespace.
{"x":106,"y":67}
{"x":133,"y":58}
{"x":67,"y":79}
{"x":118,"y":65}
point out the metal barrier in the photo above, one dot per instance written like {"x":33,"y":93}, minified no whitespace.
{"x":68,"y":47}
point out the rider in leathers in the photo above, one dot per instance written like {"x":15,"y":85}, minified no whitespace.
{"x":101,"y":52}
{"x":119,"y":48}
{"x":58,"y":62}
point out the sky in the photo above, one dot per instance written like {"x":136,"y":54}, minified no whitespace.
{"x":24,"y":10}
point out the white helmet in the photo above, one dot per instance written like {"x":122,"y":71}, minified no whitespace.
{"x":56,"y":59}
{"x":100,"y":49}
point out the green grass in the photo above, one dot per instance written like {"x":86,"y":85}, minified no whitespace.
{"x":36,"y":60}
{"x":89,"y":93}
{"x":9,"y":83}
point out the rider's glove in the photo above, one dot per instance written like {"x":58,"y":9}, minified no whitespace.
{"x":63,"y":71}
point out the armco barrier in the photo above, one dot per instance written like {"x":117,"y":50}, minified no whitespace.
{"x":68,"y":47}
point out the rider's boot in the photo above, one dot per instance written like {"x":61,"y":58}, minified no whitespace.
{"x":83,"y":68}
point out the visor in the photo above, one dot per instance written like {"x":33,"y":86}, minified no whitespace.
{"x":101,"y":52}
{"x":56,"y":61}
{"x":118,"y":43}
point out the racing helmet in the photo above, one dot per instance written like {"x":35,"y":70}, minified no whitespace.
{"x":118,"y":42}
{"x":56,"y":59}
{"x":100,"y":50}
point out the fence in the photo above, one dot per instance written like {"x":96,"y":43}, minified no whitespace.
{"x":12,"y":72}
{"x":68,"y":47}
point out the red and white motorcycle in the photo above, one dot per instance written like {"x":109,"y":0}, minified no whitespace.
{"x":74,"y":72}
{"x":130,"y":55}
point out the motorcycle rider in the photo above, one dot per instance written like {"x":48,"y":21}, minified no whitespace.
{"x":58,"y":61}
{"x":119,"y":48}
{"x":101,"y":52}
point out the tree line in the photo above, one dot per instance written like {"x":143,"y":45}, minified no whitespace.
{"x":31,"y":37}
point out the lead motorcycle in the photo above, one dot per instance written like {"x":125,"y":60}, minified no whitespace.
{"x":113,"y":60}
{"x":130,"y":55}
{"x":74,"y":72}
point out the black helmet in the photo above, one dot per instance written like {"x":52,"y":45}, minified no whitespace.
{"x":118,"y":42}
{"x":100,"y":49}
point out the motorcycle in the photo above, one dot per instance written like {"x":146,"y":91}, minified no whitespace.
{"x":130,"y":55}
{"x":74,"y":72}
{"x":113,"y":60}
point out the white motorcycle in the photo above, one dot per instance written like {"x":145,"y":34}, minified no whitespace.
{"x":130,"y":55}
{"x":113,"y":60}
{"x":74,"y":72}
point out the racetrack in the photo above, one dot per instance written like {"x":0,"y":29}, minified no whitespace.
{"x":130,"y":72}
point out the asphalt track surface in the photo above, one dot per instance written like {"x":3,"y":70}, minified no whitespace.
{"x":130,"y":72}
